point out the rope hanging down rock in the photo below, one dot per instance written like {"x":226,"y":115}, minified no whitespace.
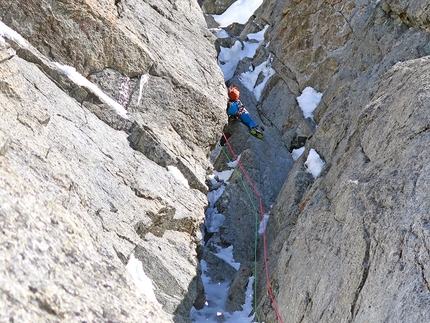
{"x":262,"y":213}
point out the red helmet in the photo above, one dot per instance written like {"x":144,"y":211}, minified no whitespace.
{"x":233,"y":93}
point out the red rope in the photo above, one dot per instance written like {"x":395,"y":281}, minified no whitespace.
{"x":266,"y":263}
{"x":241,"y":167}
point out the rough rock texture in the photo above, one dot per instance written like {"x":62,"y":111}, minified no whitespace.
{"x":352,"y":245}
{"x":63,"y":208}
{"x":216,"y":7}
{"x":83,"y":188}
{"x":115,"y":44}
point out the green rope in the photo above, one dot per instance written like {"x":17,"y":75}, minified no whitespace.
{"x":257,"y":216}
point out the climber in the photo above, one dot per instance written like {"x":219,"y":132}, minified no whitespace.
{"x":236,"y":110}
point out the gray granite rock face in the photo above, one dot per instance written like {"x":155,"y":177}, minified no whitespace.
{"x":115,"y":45}
{"x":65,"y":213}
{"x":216,"y":7}
{"x":350,"y":245}
{"x":83,"y":188}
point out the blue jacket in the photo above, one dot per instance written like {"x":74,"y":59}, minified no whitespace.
{"x":237,"y":109}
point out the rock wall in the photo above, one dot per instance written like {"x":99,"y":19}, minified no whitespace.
{"x":352,"y":245}
{"x":83,"y":188}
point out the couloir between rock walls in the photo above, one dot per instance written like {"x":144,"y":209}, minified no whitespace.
{"x":84,"y":190}
{"x":89,"y":189}
{"x":352,"y":244}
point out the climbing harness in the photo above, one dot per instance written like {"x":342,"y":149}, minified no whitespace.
{"x":262,"y":213}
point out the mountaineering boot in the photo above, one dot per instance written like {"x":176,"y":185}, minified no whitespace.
{"x":256,"y":133}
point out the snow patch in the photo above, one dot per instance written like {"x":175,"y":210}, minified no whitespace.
{"x":226,"y":174}
{"x":216,"y":294}
{"x":178,"y":175}
{"x":235,"y":162}
{"x":296,"y":153}
{"x":214,"y":220}
{"x":240,"y":11}
{"x":228,"y":58}
{"x":80,"y":80}
{"x":226,"y":254}
{"x":214,"y":195}
{"x":258,"y":36}
{"x":143,"y":80}
{"x":11,"y":34}
{"x":314,"y":163}
{"x":220,"y":33}
{"x":135,"y":269}
{"x":263,"y":224}
{"x":249,"y":79}
{"x":308,"y":101}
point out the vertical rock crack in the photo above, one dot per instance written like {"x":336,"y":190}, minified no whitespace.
{"x":364,"y":275}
